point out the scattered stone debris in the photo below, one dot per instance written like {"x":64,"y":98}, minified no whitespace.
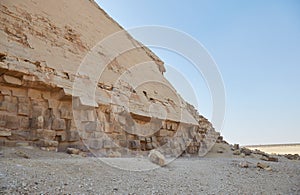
{"x":264,"y":166}
{"x":236,"y":152}
{"x":22,"y":154}
{"x":157,"y":158}
{"x":220,"y":151}
{"x":114,"y":154}
{"x":244,"y":164}
{"x":292,"y":156}
{"x":73,"y":151}
{"x":246,"y":151}
{"x":236,"y":147}
{"x":22,"y":144}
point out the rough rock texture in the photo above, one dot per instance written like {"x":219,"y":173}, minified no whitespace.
{"x":60,"y":173}
{"x":157,"y":158}
{"x":52,"y":95}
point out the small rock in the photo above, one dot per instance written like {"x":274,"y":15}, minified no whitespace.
{"x":156,"y":157}
{"x":236,"y":146}
{"x":292,"y":156}
{"x":236,"y":152}
{"x":246,"y":151}
{"x":273,"y":159}
{"x":264,"y":166}
{"x":114,"y":154}
{"x":244,"y":164}
{"x":268,"y":169}
{"x":269,"y":158}
{"x":264,"y":158}
{"x":83,"y":154}
{"x":22,"y":154}
{"x":261,"y":165}
{"x":73,"y":151}
{"x":220,"y":151}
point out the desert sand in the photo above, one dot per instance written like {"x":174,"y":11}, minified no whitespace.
{"x":27,"y":170}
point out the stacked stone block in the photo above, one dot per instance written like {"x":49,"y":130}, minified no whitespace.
{"x":46,"y":118}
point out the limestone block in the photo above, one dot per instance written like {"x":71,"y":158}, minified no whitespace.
{"x":108,"y":127}
{"x":37,"y":111}
{"x":46,"y":94}
{"x":2,"y":120}
{"x":163,"y":140}
{"x":12,"y":122}
{"x":164,"y":125}
{"x":83,"y":104}
{"x":87,"y":115}
{"x":52,"y":103}
{"x":62,"y":135}
{"x":98,"y":135}
{"x":24,"y":109}
{"x":46,"y":134}
{"x":12,"y":107}
{"x":123,"y":143}
{"x":120,"y":137}
{"x":50,"y":148}
{"x":24,"y":100}
{"x":157,"y":158}
{"x":31,"y":78}
{"x":149,"y":146}
{"x":47,"y":143}
{"x":24,"y":122}
{"x":5,"y":90}
{"x":163,"y":132}
{"x":153,"y":138}
{"x":90,"y":126}
{"x":174,"y":144}
{"x":134,"y":144}
{"x":95,"y":144}
{"x":66,"y":113}
{"x":19,"y":92}
{"x":58,"y":124}
{"x":174,"y":126}
{"x":154,"y":145}
{"x":73,"y":136}
{"x":3,"y":105}
{"x":40,"y":122}
{"x":114,"y":154}
{"x":34,"y":94}
{"x":130,"y":136}
{"x":168,"y":125}
{"x":107,"y":144}
{"x":19,"y":135}
{"x":192,"y":150}
{"x":12,"y":80}
{"x":5,"y":132}
{"x":73,"y":151}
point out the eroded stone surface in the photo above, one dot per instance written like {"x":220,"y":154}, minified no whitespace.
{"x":48,"y":78}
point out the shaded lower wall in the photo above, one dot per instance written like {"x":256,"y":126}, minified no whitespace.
{"x":45,"y":118}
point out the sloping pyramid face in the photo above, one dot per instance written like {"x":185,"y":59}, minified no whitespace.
{"x":72,"y":77}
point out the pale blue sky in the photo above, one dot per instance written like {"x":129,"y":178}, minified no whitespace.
{"x":256,"y":45}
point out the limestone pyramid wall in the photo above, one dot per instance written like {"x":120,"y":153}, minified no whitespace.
{"x":45,"y":96}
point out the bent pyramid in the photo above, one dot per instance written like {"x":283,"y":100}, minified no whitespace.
{"x":70,"y":76}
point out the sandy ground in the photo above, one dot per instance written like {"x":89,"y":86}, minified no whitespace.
{"x":59,"y":173}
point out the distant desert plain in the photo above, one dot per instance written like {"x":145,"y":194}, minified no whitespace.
{"x":277,"y":148}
